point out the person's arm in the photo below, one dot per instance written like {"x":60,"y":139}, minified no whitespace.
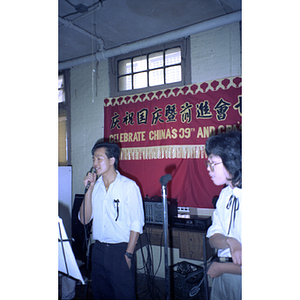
{"x":87,"y":202}
{"x":220,"y":241}
{"x":134,"y":236}
{"x":217,"y":269}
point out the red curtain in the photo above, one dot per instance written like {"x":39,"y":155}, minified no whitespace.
{"x":165,"y":132}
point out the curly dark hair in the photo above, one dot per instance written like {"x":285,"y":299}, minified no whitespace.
{"x":111,"y":150}
{"x":228,"y":146}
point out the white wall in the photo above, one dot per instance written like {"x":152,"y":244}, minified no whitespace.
{"x":87,"y":117}
{"x":215,"y":54}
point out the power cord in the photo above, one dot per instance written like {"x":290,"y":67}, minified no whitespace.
{"x":148,"y":269}
{"x":195,"y":290}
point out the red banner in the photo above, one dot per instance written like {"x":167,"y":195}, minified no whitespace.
{"x":165,"y":132}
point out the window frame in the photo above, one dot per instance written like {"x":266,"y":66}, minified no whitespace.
{"x":184,"y":45}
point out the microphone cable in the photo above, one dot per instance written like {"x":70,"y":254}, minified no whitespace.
{"x":92,"y":170}
{"x":86,"y":238}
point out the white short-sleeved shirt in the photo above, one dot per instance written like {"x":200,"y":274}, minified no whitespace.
{"x":123,"y":195}
{"x":222,"y":216}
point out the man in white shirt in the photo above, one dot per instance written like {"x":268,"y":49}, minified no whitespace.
{"x":225,"y":167}
{"x":115,"y":204}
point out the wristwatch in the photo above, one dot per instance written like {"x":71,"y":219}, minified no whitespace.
{"x":129,"y":255}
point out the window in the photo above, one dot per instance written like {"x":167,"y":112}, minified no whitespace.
{"x":63,"y":120}
{"x":61,"y":89}
{"x":151,"y":69}
{"x":62,"y":138}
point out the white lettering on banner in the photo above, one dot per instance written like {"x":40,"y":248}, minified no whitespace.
{"x":161,"y":152}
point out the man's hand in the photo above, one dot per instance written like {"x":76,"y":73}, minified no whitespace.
{"x":235,"y":250}
{"x":128,"y":260}
{"x":90,"y":177}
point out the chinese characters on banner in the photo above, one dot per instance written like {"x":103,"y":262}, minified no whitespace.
{"x":165,"y":132}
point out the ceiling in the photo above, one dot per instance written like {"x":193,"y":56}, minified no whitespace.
{"x":88,"y":26}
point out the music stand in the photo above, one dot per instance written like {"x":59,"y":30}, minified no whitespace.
{"x":66,"y":260}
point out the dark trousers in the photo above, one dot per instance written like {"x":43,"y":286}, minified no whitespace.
{"x":111,"y":277}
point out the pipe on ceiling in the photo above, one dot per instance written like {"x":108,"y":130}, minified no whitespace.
{"x":155,"y":40}
{"x":70,"y":24}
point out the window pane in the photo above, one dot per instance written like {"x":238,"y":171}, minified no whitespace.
{"x":125,"y":83}
{"x":173,"y":56}
{"x":140,"y":80}
{"x":156,"y":60}
{"x":156,"y":77}
{"x":61,"y":90}
{"x":173,"y":74}
{"x":62,"y":138}
{"x":140,"y":63}
{"x":124,"y":67}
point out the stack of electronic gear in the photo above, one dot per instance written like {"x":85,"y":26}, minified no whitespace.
{"x":154,"y":209}
{"x":191,"y":222}
{"x":185,"y":279}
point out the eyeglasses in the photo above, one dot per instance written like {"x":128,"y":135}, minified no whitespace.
{"x":211,"y":165}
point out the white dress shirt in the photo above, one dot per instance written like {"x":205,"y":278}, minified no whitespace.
{"x":117,"y":211}
{"x":223,"y":217}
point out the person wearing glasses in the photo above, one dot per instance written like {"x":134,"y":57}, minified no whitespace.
{"x":114,"y":202}
{"x":224,"y":166}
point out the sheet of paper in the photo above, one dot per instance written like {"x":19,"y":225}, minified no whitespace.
{"x":66,"y":260}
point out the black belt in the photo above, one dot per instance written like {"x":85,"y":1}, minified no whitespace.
{"x":224,"y":259}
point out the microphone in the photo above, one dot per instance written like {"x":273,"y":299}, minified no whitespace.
{"x":92,"y":170}
{"x":165,"y":179}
